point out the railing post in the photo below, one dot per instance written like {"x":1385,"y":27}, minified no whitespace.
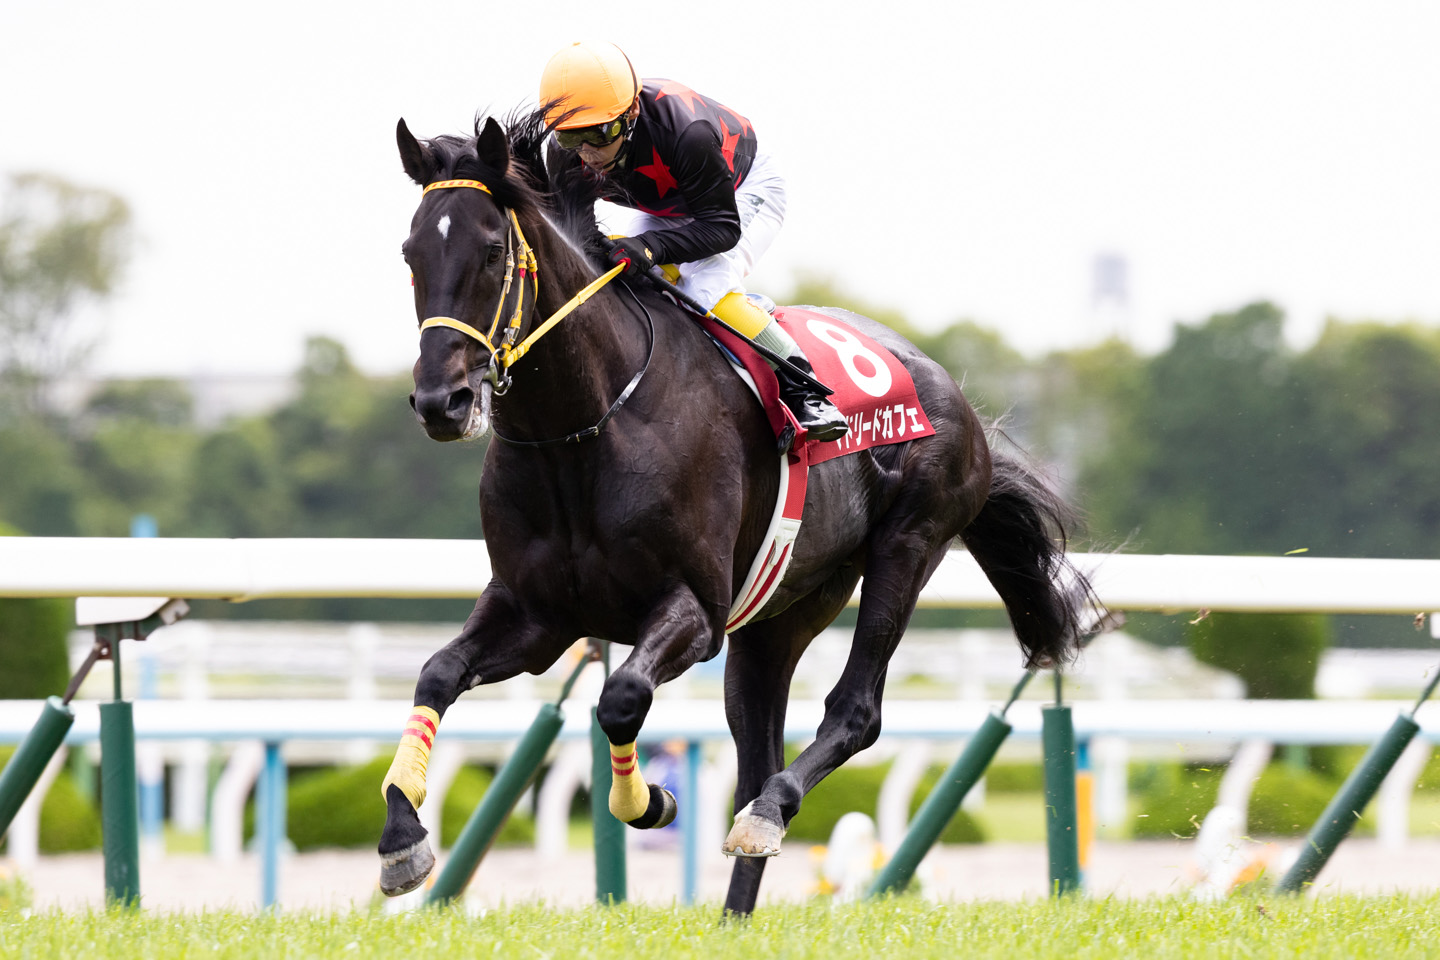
{"x":610,"y":877}
{"x":30,"y":758}
{"x":690,"y":823}
{"x":271,"y":815}
{"x":1057,"y":735}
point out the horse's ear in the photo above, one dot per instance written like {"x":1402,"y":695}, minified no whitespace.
{"x":417,"y":158}
{"x":492,"y":146}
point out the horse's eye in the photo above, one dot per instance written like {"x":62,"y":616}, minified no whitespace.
{"x":492,"y":256}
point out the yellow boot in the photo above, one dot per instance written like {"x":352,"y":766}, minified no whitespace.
{"x":818,"y":417}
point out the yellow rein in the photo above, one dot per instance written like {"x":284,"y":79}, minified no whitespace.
{"x":507,"y":353}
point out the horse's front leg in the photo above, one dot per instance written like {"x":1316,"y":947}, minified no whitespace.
{"x":497,"y":643}
{"x":678,"y":633}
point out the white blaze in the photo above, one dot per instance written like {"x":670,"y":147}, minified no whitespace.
{"x":444,"y":226}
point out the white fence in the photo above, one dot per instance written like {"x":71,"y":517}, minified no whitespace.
{"x":252,"y":569}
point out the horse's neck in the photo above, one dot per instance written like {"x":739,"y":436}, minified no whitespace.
{"x":574,"y":372}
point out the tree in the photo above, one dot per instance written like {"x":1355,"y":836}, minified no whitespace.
{"x":1367,"y":461}
{"x":1201,"y":459}
{"x":61,"y":245}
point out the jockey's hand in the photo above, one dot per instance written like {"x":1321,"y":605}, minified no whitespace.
{"x":632,"y":252}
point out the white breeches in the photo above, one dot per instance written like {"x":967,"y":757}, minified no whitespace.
{"x":761,"y":202}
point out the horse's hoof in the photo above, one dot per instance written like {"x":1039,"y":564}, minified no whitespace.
{"x":753,"y":836}
{"x":404,"y":870}
{"x":660,"y":812}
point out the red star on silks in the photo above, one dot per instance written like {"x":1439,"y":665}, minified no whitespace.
{"x":660,"y":173}
{"x":728,"y":141}
{"x":686,"y":95}
{"x":744,"y":124}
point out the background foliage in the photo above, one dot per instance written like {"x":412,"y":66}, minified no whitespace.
{"x":1228,"y":441}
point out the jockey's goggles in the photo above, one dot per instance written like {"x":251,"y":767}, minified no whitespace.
{"x":599,"y":135}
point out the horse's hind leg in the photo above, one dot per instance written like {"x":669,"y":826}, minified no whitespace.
{"x":758,"y":670}
{"x":495,"y":644}
{"x":898,"y":562}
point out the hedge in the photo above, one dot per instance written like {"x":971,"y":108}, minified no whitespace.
{"x":341,"y":807}
{"x":858,"y":789}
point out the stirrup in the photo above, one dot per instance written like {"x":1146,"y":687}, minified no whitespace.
{"x":821,"y":419}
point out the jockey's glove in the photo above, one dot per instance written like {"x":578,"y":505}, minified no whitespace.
{"x":632,"y":252}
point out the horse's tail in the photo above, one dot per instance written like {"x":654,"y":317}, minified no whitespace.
{"x":1019,"y":540}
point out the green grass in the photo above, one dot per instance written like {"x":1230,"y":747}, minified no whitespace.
{"x":910,"y":928}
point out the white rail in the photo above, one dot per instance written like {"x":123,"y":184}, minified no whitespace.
{"x":253,"y":569}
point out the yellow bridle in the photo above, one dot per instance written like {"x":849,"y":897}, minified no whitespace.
{"x":507,"y":351}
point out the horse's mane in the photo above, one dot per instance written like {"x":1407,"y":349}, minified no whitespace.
{"x":559,"y":190}
{"x":571,"y":195}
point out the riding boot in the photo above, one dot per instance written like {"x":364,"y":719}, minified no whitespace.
{"x":821,"y":419}
{"x":818,"y":417}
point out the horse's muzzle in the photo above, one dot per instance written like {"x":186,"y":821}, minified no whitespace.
{"x":453,"y":414}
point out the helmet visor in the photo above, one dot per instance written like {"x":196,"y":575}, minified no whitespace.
{"x":600,"y":135}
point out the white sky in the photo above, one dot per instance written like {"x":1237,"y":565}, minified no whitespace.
{"x":954,"y":160}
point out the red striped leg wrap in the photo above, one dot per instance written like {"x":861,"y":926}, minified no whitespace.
{"x":407,"y":770}
{"x":629,"y":796}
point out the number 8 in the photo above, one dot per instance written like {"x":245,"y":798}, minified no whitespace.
{"x":848,"y":347}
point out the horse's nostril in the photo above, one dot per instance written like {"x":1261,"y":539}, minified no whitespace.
{"x":461,"y":402}
{"x":412,"y":401}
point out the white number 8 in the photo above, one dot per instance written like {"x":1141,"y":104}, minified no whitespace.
{"x":848,"y":347}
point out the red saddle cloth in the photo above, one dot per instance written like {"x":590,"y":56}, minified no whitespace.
{"x":872,"y":389}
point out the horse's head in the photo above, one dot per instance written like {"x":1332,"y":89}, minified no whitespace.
{"x":468,"y":258}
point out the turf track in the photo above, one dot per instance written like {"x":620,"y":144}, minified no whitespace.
{"x":1398,"y":926}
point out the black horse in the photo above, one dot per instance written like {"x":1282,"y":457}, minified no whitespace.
{"x":642,"y":531}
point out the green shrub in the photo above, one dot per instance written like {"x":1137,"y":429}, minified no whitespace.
{"x":462,"y":799}
{"x":1335,"y":761}
{"x":1015,"y":778}
{"x":69,"y":820}
{"x":34,"y":662}
{"x":1174,"y":800}
{"x":341,"y":807}
{"x":1286,"y":801}
{"x":1276,"y":655}
{"x":849,"y":788}
{"x":858,"y":789}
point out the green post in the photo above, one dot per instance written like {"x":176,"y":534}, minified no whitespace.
{"x":28,"y":763}
{"x":1340,"y":816}
{"x":1062,"y":836}
{"x":495,"y":807}
{"x":610,"y":879}
{"x":941,"y":805}
{"x":119,"y":803}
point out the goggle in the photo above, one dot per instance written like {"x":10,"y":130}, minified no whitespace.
{"x":600,"y":135}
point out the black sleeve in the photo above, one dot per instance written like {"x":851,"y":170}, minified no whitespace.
{"x":704,"y":179}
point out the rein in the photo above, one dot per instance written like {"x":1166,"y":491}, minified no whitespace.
{"x":507,"y":352}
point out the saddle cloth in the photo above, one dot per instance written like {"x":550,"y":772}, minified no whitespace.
{"x":872,"y":389}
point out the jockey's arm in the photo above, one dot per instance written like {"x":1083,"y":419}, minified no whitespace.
{"x":705,"y":180}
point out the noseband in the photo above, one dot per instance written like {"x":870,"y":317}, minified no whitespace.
{"x":519,"y":255}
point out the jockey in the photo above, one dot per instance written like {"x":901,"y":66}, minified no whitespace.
{"x":710,"y":202}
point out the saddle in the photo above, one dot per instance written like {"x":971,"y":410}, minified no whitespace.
{"x":872,"y":389}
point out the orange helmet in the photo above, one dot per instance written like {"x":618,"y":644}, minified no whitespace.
{"x":595,"y":80}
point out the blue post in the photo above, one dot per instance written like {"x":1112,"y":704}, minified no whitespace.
{"x":152,"y":790}
{"x":690,"y":822}
{"x":270,"y":810}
